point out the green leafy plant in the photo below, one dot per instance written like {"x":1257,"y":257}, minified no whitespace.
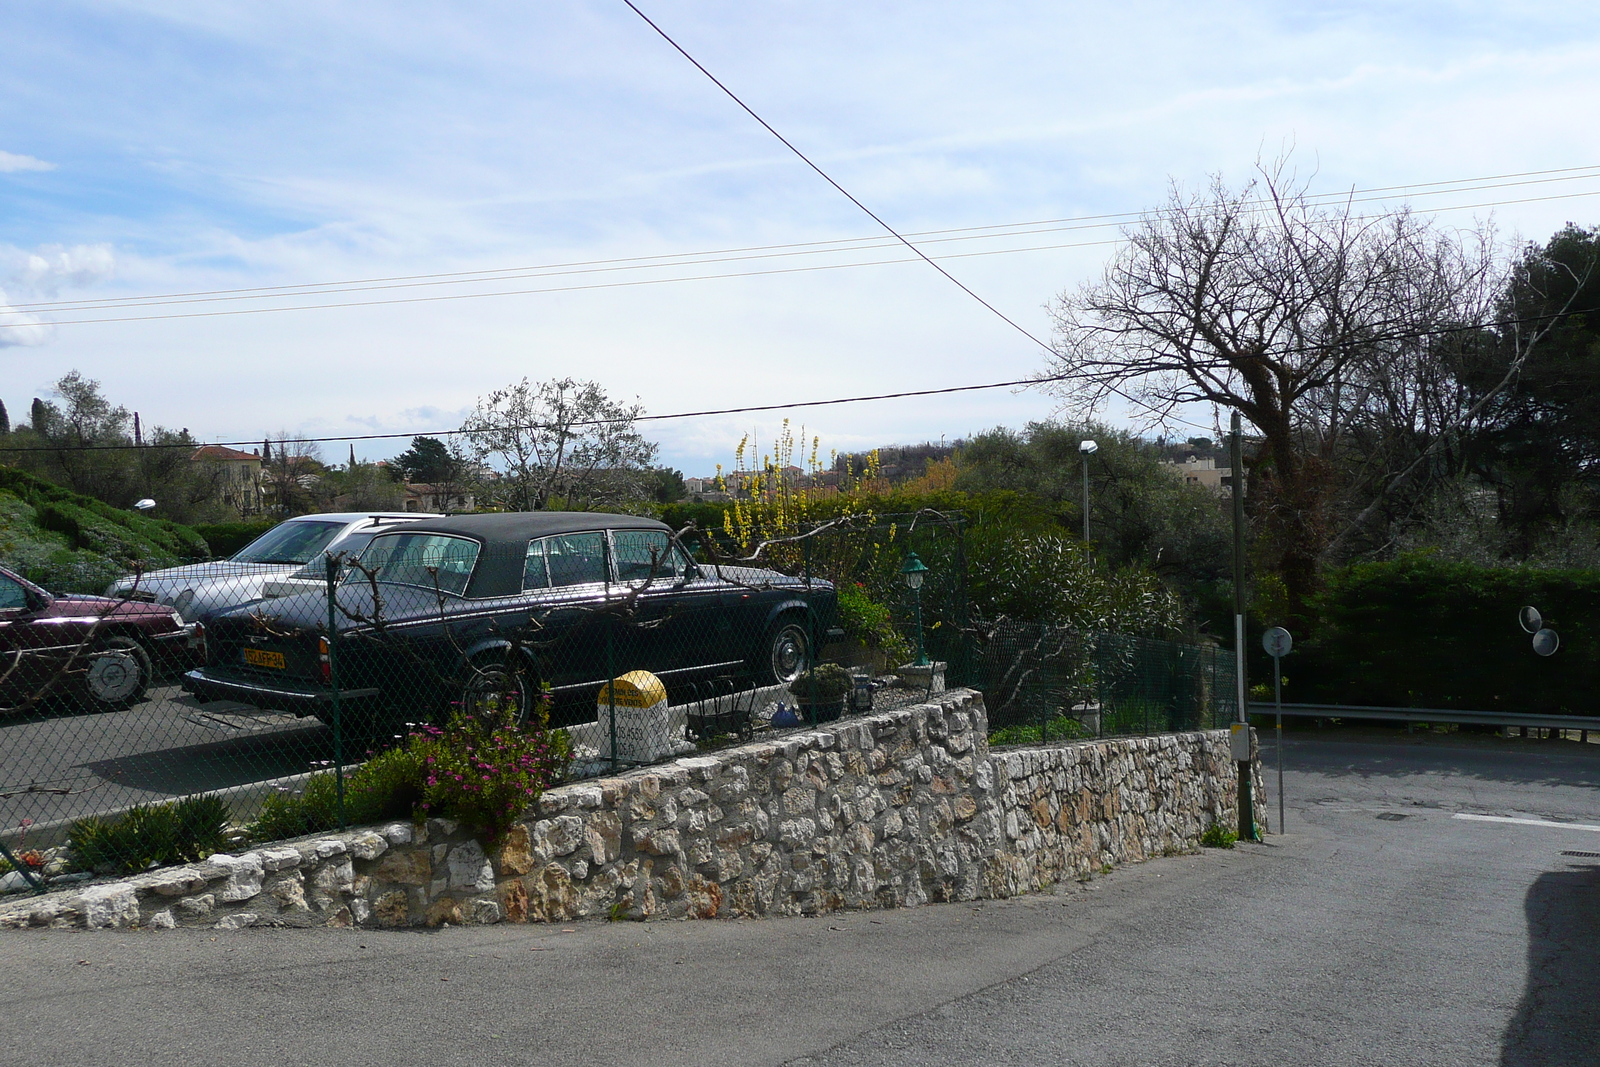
{"x":1060,"y":728}
{"x":826,"y":683}
{"x":1218,"y":836}
{"x":485,"y":774}
{"x":150,"y":835}
{"x":865,"y":620}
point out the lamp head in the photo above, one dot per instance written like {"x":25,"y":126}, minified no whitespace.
{"x":914,"y":570}
{"x":1086,"y":447}
{"x":144,"y":505}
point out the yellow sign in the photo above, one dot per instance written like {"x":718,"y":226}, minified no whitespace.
{"x":636,"y":689}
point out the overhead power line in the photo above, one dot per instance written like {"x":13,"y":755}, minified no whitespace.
{"x":1044,"y":379}
{"x":988,"y":232}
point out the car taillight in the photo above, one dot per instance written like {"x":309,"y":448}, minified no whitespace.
{"x":197,"y":640}
{"x":324,"y":664}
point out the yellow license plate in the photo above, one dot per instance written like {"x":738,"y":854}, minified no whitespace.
{"x":261,"y":658}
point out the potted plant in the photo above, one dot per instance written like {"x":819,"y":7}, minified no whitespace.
{"x":820,"y":692}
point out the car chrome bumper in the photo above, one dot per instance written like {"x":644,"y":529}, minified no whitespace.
{"x":302,"y":698}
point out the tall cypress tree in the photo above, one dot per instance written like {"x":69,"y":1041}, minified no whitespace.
{"x":40,"y":415}
{"x":5,"y":419}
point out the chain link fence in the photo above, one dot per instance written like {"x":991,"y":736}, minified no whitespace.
{"x":354,"y":669}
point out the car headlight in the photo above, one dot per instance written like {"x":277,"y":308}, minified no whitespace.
{"x":177,"y":617}
{"x":182,"y":601}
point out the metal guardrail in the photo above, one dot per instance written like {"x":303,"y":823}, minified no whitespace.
{"x":1478,"y":718}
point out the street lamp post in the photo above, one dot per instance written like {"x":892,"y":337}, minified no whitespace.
{"x":1087,"y":448}
{"x":914,"y":572}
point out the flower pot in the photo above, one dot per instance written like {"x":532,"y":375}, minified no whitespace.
{"x":825,"y":711}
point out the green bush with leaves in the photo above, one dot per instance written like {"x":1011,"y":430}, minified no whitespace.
{"x":148,"y":836}
{"x":871,"y":623}
{"x":1421,"y":631}
{"x":484,"y":775}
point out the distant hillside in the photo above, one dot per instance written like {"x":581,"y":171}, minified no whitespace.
{"x":72,"y":543}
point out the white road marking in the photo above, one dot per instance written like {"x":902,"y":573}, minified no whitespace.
{"x":1528,"y":822}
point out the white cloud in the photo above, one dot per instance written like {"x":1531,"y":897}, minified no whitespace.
{"x":11,"y":161}
{"x":18,"y":330}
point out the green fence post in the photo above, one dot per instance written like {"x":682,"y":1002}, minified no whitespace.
{"x":611,"y":695}
{"x":333,"y":681}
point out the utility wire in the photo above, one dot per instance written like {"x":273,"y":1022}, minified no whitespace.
{"x":845,"y":244}
{"x":636,"y":281}
{"x":1020,"y":383}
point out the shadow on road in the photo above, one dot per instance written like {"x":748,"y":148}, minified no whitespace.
{"x":1366,"y":757}
{"x":220,"y":764}
{"x":1557,"y":1022}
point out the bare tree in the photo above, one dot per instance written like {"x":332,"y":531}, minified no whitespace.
{"x":562,"y":439}
{"x":1327,"y":330}
{"x":291,"y":471}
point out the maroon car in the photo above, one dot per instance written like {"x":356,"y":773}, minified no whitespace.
{"x":101,"y":651}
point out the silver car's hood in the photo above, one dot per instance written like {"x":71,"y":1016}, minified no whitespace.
{"x":200,"y":589}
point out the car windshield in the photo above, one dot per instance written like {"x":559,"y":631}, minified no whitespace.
{"x":290,"y":542}
{"x":350,"y":548}
{"x":428,"y":560}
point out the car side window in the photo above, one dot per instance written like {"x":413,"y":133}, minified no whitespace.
{"x":536,"y":570}
{"x":12,"y":594}
{"x":645,"y":555}
{"x":574,"y":559}
{"x":425,"y":560}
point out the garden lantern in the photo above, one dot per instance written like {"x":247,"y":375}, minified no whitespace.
{"x":914,"y":572}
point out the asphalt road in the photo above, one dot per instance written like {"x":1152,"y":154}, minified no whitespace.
{"x":61,"y":764}
{"x":1382,"y":929}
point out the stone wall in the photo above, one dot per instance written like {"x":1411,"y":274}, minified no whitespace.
{"x":894,"y":809}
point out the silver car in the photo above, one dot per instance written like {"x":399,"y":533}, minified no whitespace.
{"x":199,"y":590}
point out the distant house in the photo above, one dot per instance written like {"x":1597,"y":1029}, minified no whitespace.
{"x":438,"y":499}
{"x":239,"y":481}
{"x":1202,"y":471}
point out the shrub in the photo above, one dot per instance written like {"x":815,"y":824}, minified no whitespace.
{"x":1060,"y":728}
{"x":826,"y":683}
{"x":485,"y":775}
{"x":1218,"y":836}
{"x":865,"y":620}
{"x":1424,"y":632}
{"x":150,"y":835}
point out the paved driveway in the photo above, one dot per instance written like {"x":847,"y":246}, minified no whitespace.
{"x":1360,"y":937}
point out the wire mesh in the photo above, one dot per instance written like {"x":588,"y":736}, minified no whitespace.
{"x":332,"y":674}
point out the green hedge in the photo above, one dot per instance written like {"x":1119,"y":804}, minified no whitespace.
{"x":226,"y":538}
{"x":1424,"y":632}
{"x":94,"y":526}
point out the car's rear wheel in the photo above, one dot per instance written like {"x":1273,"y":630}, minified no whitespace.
{"x":117,"y":673}
{"x":785,"y":652}
{"x":497,"y":694}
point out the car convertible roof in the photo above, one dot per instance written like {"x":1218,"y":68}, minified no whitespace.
{"x":522,"y":525}
{"x":505,"y":536}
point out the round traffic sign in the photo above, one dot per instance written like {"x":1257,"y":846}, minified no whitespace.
{"x":1530,"y":619}
{"x":1277,"y":641}
{"x":1546,"y":641}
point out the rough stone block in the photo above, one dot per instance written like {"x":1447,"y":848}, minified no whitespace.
{"x":113,"y":905}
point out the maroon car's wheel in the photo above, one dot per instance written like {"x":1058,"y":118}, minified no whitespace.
{"x":117,"y":673}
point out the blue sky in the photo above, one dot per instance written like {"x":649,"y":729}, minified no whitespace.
{"x":173,"y":148}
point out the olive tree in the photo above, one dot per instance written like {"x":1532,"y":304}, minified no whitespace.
{"x":1329,"y":331}
{"x":561,"y":440}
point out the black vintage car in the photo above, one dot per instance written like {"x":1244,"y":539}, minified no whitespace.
{"x":480,"y":609}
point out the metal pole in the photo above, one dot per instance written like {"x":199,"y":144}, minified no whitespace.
{"x":1277,"y":700}
{"x":1247,"y":822}
{"x":611,"y":694}
{"x":1086,"y":498}
{"x":333,"y":681}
